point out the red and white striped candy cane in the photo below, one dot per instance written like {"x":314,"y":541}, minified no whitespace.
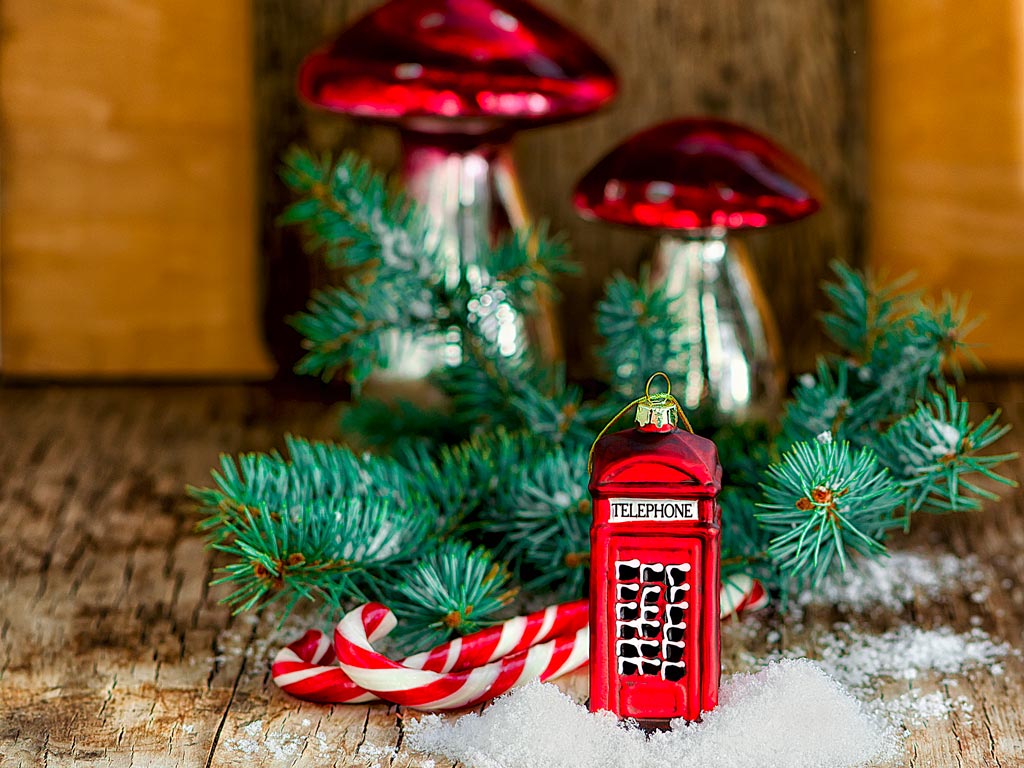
{"x":461,"y":672}
{"x":741,"y":593}
{"x":307,"y":668}
{"x":494,"y":661}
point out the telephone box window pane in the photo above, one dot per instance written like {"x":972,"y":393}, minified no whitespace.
{"x":655,"y":572}
{"x":628,"y":649}
{"x":677,"y":573}
{"x":627,"y":667}
{"x":673,"y":672}
{"x":649,"y":629}
{"x":676,"y":614}
{"x":627,"y":611}
{"x":627,"y":570}
{"x":650,"y":667}
{"x":673,"y":651}
{"x":649,"y":650}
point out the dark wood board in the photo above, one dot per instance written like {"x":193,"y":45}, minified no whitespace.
{"x":115,"y":652}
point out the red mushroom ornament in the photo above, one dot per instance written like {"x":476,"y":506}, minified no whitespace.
{"x":696,"y":181}
{"x":459,"y":78}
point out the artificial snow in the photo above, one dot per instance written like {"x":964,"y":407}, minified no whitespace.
{"x":789,"y":715}
{"x":894,"y":581}
{"x":858,"y":659}
{"x":862,"y":662}
{"x":278,"y":745}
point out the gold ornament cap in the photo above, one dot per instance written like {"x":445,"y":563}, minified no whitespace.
{"x":658,"y":410}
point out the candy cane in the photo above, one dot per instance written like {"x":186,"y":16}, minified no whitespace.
{"x":510,"y":654}
{"x":741,"y":593}
{"x":307,"y":668}
{"x":462,"y":672}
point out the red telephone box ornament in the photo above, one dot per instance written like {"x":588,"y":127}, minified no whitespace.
{"x":655,"y":637}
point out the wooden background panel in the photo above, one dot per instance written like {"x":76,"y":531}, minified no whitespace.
{"x":127,"y":244}
{"x":947,"y":156}
{"x":789,"y":68}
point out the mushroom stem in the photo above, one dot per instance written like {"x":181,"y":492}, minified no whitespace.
{"x":471,"y":193}
{"x":732,"y":364}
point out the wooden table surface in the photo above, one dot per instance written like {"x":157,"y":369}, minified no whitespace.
{"x":115,"y":652}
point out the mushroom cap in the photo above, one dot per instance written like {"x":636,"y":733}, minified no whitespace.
{"x":697,"y":174}
{"x":477,"y":63}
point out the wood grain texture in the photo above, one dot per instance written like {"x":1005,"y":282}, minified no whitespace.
{"x":128,"y":242}
{"x":789,"y":68}
{"x":947,"y":156}
{"x":115,"y":652}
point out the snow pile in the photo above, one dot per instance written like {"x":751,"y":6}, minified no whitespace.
{"x":788,"y":715}
{"x":858,"y":660}
{"x":894,"y":581}
{"x":915,"y":709}
{"x":862,"y":661}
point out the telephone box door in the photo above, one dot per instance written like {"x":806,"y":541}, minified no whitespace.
{"x":655,"y":591}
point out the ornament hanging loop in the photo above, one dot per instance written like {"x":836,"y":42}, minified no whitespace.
{"x":659,"y":400}
{"x":668,"y":386}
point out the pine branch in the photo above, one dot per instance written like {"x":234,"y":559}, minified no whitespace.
{"x":354,"y":216}
{"x":866,"y":442}
{"x":345,"y":328}
{"x":351,"y":214}
{"x":824,"y":502}
{"x":524,"y":260}
{"x":313,"y":472}
{"x":821,"y":403}
{"x":862,"y":308}
{"x":640,"y":332}
{"x":896,"y":347}
{"x":453,"y":590}
{"x":450,"y":476}
{"x":542,"y":512}
{"x":520,"y":395}
{"x":394,"y":426}
{"x":311,"y":526}
{"x":314,"y":551}
{"x":933,"y":450}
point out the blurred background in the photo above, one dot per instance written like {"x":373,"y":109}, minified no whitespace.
{"x":140,"y":140}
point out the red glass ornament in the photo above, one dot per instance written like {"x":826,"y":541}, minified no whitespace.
{"x":698,"y":174}
{"x":476,"y":65}
{"x":655,"y":562}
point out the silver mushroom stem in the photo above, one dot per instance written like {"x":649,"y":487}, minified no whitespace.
{"x":732,"y":363}
{"x":470,"y":195}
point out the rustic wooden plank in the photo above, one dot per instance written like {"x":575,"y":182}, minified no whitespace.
{"x":790,"y":68}
{"x":114,"y":651}
{"x":128,"y":221}
{"x":947,"y":156}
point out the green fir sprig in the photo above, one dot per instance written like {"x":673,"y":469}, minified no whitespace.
{"x":639,"y":331}
{"x":392,"y":287}
{"x":453,"y":589}
{"x":464,"y":504}
{"x":934,"y":451}
{"x":825,"y":502}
